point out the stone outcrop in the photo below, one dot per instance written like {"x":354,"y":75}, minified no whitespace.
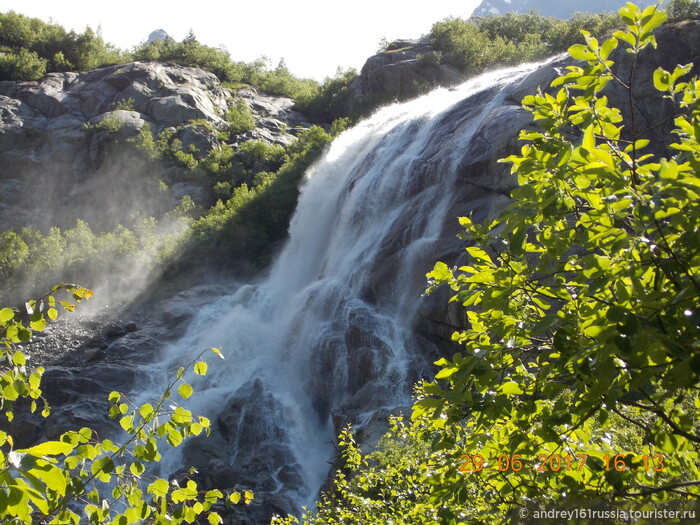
{"x":406,"y":68}
{"x":62,"y":140}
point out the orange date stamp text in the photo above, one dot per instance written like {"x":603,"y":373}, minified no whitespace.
{"x":559,"y":463}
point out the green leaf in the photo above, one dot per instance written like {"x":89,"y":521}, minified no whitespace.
{"x":38,"y":325}
{"x":174,"y":438}
{"x":181,"y":416}
{"x":479,"y":254}
{"x":440,"y":272}
{"x":510,"y":388}
{"x":200,"y":368}
{"x":666,"y":442}
{"x":9,"y":393}
{"x":589,"y":138}
{"x":158,"y":488}
{"x":185,"y":390}
{"x":137,"y":468}
{"x":235,"y":497}
{"x":24,"y":335}
{"x":6,"y":314}
{"x":446,"y":372}
{"x":214,"y":518}
{"x":127,"y":423}
{"x":50,"y":448}
{"x":662,"y":80}
{"x":103,"y":465}
{"x":146,"y":410}
{"x":53,"y":477}
{"x":580,"y":52}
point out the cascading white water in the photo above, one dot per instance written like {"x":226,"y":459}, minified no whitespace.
{"x":330,"y":329}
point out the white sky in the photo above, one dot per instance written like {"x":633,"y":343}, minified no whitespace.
{"x":313,"y":36}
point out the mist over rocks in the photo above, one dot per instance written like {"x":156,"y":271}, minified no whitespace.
{"x":62,"y":140}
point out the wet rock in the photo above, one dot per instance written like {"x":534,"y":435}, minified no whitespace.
{"x":198,"y":140}
{"x":176,"y":314}
{"x":368,"y":355}
{"x":290,"y":476}
{"x":91,"y":413}
{"x":92,"y":354}
{"x":26,"y":427}
{"x":114,"y":330}
{"x":97,"y":341}
{"x":61,"y":386}
{"x":249,"y":447}
{"x":180,"y":309}
{"x":370,"y":397}
{"x":371,"y":432}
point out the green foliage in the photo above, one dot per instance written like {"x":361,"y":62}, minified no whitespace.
{"x":683,"y":9}
{"x":239,"y":117}
{"x":476,"y":44}
{"x":21,"y":65}
{"x":257,"y":185}
{"x":14,"y":252}
{"x":583,"y":298}
{"x":126,"y":104}
{"x":254,"y":216}
{"x":389,"y":485}
{"x":29,"y":48}
{"x":331,"y":100}
{"x":280,"y":81}
{"x":109,"y":124}
{"x":80,"y":253}
{"x":189,"y":52}
{"x":79,"y":476}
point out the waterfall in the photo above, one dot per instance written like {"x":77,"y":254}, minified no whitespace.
{"x":329,"y":333}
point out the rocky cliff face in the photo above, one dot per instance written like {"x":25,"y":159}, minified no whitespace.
{"x":57,"y":136}
{"x":560,"y":9}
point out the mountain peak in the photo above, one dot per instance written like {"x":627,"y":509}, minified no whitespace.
{"x":561,"y":9}
{"x":159,"y":35}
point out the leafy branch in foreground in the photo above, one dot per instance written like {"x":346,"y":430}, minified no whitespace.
{"x":583,"y":296}
{"x":79,"y":476}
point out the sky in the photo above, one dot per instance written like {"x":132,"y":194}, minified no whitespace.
{"x":314,"y":37}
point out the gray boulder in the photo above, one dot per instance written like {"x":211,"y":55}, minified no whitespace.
{"x":406,"y":68}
